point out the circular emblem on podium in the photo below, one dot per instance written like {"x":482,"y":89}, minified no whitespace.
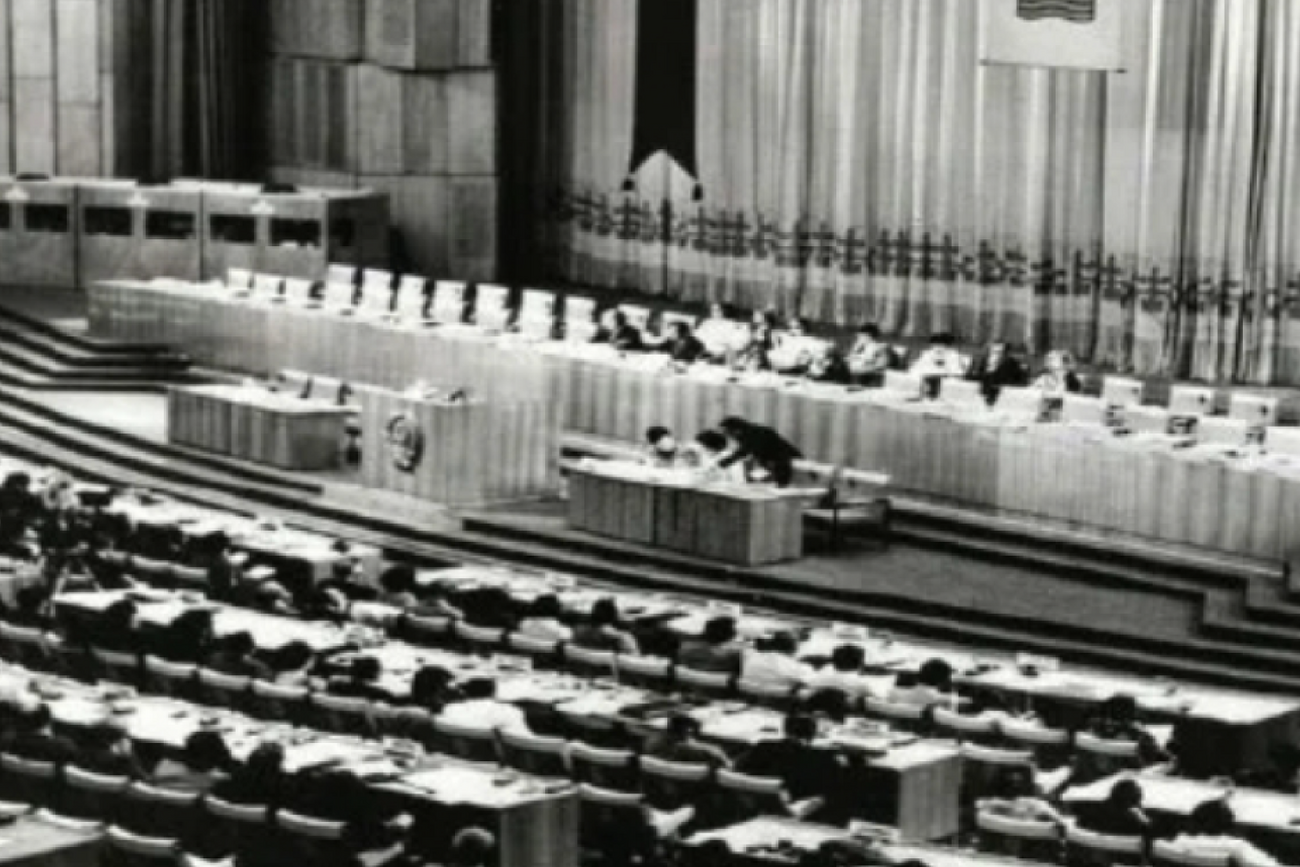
{"x":405,"y":442}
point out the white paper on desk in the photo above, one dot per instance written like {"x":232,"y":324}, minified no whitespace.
{"x":452,"y":785}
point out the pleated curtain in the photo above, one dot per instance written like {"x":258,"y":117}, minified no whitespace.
{"x":857,"y":162}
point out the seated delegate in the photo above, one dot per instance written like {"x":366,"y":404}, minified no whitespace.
{"x":769,"y":455}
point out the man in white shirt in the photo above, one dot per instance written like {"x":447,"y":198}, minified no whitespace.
{"x":775,"y":664}
{"x":941,"y":359}
{"x":1210,"y":831}
{"x":482,"y":710}
{"x":844,"y":673}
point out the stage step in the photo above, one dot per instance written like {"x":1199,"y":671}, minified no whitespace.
{"x":63,"y":337}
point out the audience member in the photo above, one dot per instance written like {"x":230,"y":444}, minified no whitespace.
{"x":717,"y":650}
{"x":292,"y":664}
{"x":601,"y":631}
{"x":940,"y":359}
{"x":844,"y":673}
{"x":680,"y":743}
{"x":661,"y":447}
{"x":869,"y":357}
{"x":1058,"y":377}
{"x":997,"y":367}
{"x":932,"y":686}
{"x":361,"y":681}
{"x":31,"y":735}
{"x":805,"y":770}
{"x":261,"y":779}
{"x":770,"y":455}
{"x":1120,"y":814}
{"x":480,"y":708}
{"x":432,"y":689}
{"x":397,"y":586}
{"x":829,"y":367}
{"x":234,"y":654}
{"x":105,"y":749}
{"x":713,"y":449}
{"x":774,"y":662}
{"x":204,"y":762}
{"x":683,"y":346}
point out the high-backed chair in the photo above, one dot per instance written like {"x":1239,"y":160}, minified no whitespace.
{"x":1218,"y":430}
{"x":609,"y":769}
{"x":1282,"y":440}
{"x":491,"y":306}
{"x":1048,"y":745}
{"x":240,"y":279}
{"x":266,"y":287}
{"x":377,"y":292}
{"x":273,"y":701}
{"x":1187,"y":400}
{"x":672,"y":785}
{"x":338,"y":713}
{"x":536,"y":314}
{"x":650,"y":672}
{"x":977,"y":729}
{"x":542,"y":651}
{"x":412,"y":301}
{"x":746,"y":796}
{"x":221,"y":689}
{"x":29,"y":781}
{"x":584,"y":660}
{"x":1147,"y":419}
{"x":962,"y":393}
{"x":1256,"y":410}
{"x":903,"y":384}
{"x":340,"y":296}
{"x":159,"y":812}
{"x":1022,"y":404}
{"x":579,"y":319}
{"x":1120,"y":391}
{"x":466,"y":742}
{"x":448,"y":305}
{"x":1080,"y":409}
{"x":118,"y":667}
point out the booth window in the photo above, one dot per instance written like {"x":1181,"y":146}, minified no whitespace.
{"x":232,"y":229}
{"x":343,"y":234}
{"x":6,"y":216}
{"x":101,"y":220}
{"x":171,"y":225}
{"x":295,"y":233}
{"x":47,"y":218}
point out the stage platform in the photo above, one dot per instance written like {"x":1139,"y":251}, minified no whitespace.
{"x":952,"y":574}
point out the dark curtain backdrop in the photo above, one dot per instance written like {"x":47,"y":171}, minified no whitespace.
{"x":197,"y":80}
{"x":857,"y":162}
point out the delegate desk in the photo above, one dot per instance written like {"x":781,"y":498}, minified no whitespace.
{"x":536,"y":822}
{"x":41,"y":839}
{"x":745,"y":526}
{"x":254,"y":424}
{"x":1137,"y":485}
{"x":466,"y":451}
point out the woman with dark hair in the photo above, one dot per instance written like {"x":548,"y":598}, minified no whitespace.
{"x":603,"y":632}
{"x":543,"y":620}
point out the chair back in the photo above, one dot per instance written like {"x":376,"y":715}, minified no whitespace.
{"x":221,"y":689}
{"x":234,"y":829}
{"x":672,"y":785}
{"x":1147,"y":419}
{"x":605,"y":768}
{"x":28,"y":780}
{"x":412,"y":297}
{"x":448,"y":302}
{"x":745,"y":796}
{"x":962,"y":393}
{"x":116,"y":666}
{"x":1020,"y":403}
{"x":637,"y":316}
{"x":709,"y":684}
{"x":614,"y":824}
{"x":1185,"y":400}
{"x":535,"y":754}
{"x":1047,"y":744}
{"x":377,"y":291}
{"x":425,"y":631}
{"x":298,"y":291}
{"x":1121,"y":391}
{"x":168,"y":678}
{"x":963,"y":727}
{"x":339,"y":713}
{"x":592,"y":663}
{"x":1217,"y":430}
{"x":908,"y":717}
{"x":340,"y":296}
{"x":537,"y":305}
{"x":491,"y":306}
{"x":307,"y":839}
{"x":579,"y":310}
{"x":781,"y":696}
{"x":1029,"y":839}
{"x":239,"y":278}
{"x":1080,"y":409}
{"x":1165,"y":854}
{"x":1282,"y":440}
{"x":540,"y":650}
{"x":478,"y":639}
{"x":342,"y":275}
{"x":983,"y":767}
{"x":1256,"y":410}
{"x":274,"y":701}
{"x":88,"y":795}
{"x":24,"y":645}
{"x":466,"y":742}
{"x":190,"y":577}
{"x":126,"y":849}
{"x":1091,"y":849}
{"x":159,"y":812}
{"x":649,"y":672}
{"x":904,"y":384}
{"x":266,"y":286}
{"x":669,"y":318}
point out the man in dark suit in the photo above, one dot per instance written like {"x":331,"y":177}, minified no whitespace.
{"x":682,"y":345}
{"x":997,"y":367}
{"x":766,"y":448}
{"x":805,"y":770}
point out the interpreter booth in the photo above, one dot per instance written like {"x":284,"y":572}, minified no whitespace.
{"x":302,"y":233}
{"x":456,"y":446}
{"x":38,"y":237}
{"x":135,"y":231}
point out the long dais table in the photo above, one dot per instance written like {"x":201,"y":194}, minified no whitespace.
{"x":741,"y":525}
{"x":254,"y":424}
{"x":1139,"y":486}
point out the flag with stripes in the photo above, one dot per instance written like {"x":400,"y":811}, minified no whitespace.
{"x":1072,"y":34}
{"x":1078,"y":11}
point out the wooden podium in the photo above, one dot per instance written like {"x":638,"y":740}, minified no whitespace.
{"x":459,"y":453}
